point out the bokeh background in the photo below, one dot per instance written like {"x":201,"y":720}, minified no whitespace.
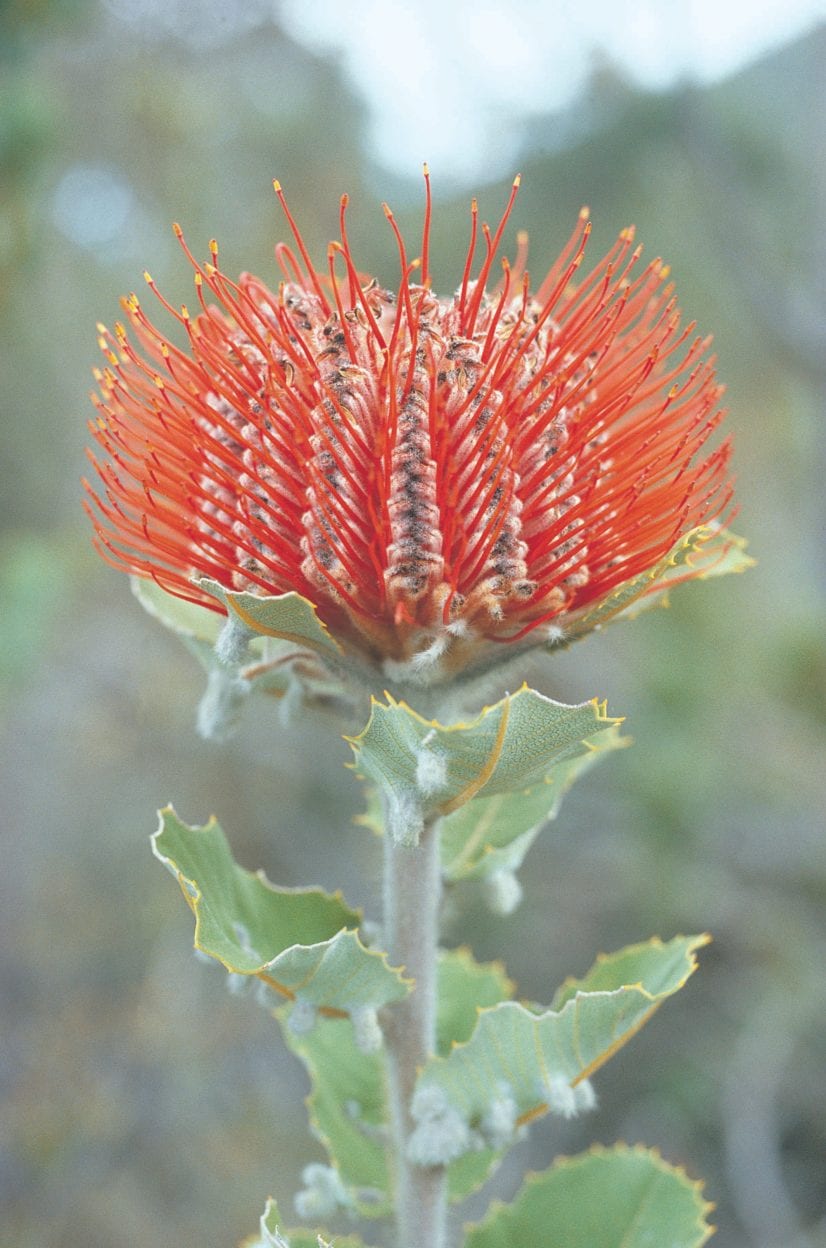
{"x":141,"y":1104}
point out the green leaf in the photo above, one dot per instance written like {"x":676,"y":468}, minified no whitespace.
{"x":617,"y":1197}
{"x":492,"y":834}
{"x":347,"y":1110}
{"x":465,"y":987}
{"x":347,"y":1103}
{"x":521,"y":1063}
{"x":286,"y":616}
{"x":659,"y":969}
{"x":299,"y":942}
{"x":704,"y":552}
{"x":425,"y":769}
{"x":188,"y":619}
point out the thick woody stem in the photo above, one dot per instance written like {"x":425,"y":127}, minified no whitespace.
{"x":412,"y":886}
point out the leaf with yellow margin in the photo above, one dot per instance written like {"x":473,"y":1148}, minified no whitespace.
{"x":424,"y":769}
{"x":289,"y":617}
{"x":493,"y":834}
{"x":705,"y":552}
{"x":616,"y":1197}
{"x":301,"y":942}
{"x":534,"y":1060}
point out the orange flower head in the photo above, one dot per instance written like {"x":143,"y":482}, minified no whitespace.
{"x":431,"y":473}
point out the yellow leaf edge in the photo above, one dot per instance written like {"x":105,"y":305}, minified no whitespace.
{"x":193,"y":897}
{"x":567,"y":1162}
{"x":697,"y":942}
{"x":600,"y":707}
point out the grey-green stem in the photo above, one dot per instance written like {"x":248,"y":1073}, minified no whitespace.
{"x":412,"y":887}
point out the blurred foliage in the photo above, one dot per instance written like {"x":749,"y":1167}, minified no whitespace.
{"x":141,"y":1104}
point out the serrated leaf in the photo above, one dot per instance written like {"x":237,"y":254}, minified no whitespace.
{"x":465,"y":987}
{"x":347,"y":1103}
{"x":289,"y":617}
{"x":425,"y":769}
{"x":704,"y":552}
{"x":492,"y":834}
{"x":532,"y":1058}
{"x":299,"y":942}
{"x":347,"y":1110}
{"x":656,"y":967}
{"x":617,"y":1197}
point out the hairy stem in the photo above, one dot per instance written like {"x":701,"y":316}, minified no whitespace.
{"x":412,"y":886}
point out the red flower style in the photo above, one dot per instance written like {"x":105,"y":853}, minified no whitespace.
{"x":425,"y":471}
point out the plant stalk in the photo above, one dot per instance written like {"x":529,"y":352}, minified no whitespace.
{"x":412,"y":888}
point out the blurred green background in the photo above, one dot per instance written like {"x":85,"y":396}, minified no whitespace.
{"x":141,"y":1104}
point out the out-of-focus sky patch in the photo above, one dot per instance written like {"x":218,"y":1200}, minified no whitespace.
{"x":452,"y":81}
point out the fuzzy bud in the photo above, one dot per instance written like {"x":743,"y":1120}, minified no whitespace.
{"x":503,"y":892}
{"x":366,"y":1030}
{"x":302,"y":1018}
{"x":498,"y":1125}
{"x":323,"y":1193}
{"x":441,"y":1134}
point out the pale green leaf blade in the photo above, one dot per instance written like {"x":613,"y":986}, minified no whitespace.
{"x":492,"y":834}
{"x":617,"y":1197}
{"x":188,"y":619}
{"x":289,"y":617}
{"x":425,"y":769}
{"x":298,"y":941}
{"x":521,"y":1063}
{"x":658,"y":968}
{"x":347,"y":1109}
{"x":705,"y":552}
{"x":466,"y":987}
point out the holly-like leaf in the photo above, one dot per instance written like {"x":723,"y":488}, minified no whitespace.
{"x":521,"y":1062}
{"x":704,"y":552}
{"x":493,"y":834}
{"x":289,"y":617}
{"x":425,"y":769}
{"x":617,"y":1197}
{"x":347,"y":1103}
{"x":656,"y":967}
{"x":300,"y":942}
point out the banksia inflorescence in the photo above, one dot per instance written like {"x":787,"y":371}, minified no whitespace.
{"x":430,"y":473}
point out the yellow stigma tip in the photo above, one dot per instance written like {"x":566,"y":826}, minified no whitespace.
{"x":517,"y":180}
{"x":184,"y":312}
{"x":100,"y":327}
{"x":665,"y":270}
{"x":213,"y":246}
{"x":584,"y":212}
{"x":147,"y":277}
{"x":426,"y":169}
{"x":199,"y":280}
{"x":387,"y":211}
{"x":276,"y":186}
{"x":176,"y":230}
